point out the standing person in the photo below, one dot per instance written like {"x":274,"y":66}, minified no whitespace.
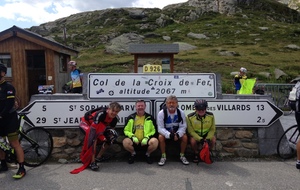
{"x":101,"y":130}
{"x":9,"y":123}
{"x":140,"y":131}
{"x":76,"y":76}
{"x":201,"y":127}
{"x":171,"y":124}
{"x":297,"y":116}
{"x":239,"y":79}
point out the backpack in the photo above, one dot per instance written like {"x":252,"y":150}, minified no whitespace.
{"x":88,"y":118}
{"x":163,"y":105}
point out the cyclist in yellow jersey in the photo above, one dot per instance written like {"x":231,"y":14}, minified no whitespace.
{"x":9,"y":123}
{"x":140,"y":133}
{"x":201,"y":127}
{"x":239,"y":79}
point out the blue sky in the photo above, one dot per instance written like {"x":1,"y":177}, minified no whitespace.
{"x":28,"y":13}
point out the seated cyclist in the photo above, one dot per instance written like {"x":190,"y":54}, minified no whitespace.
{"x":9,"y":123}
{"x":201,"y":127}
{"x":140,"y":133}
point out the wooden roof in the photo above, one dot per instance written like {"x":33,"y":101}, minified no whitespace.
{"x":35,"y":38}
{"x":153,"y":48}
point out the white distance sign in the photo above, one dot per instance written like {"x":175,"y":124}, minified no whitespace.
{"x":236,"y":113}
{"x":151,"y":85}
{"x":64,"y":113}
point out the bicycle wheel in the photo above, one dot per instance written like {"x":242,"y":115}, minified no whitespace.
{"x":37,"y":144}
{"x":286,"y":147}
{"x":283,"y":104}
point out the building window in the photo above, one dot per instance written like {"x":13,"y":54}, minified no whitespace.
{"x":6,"y":60}
{"x":63,"y":66}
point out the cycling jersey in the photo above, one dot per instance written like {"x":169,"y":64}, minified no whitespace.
{"x":238,"y":81}
{"x":172,"y":123}
{"x":200,"y":127}
{"x":9,"y":117}
{"x":148,"y":126}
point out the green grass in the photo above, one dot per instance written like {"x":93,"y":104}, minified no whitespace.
{"x":258,"y":50}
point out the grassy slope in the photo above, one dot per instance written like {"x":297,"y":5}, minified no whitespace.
{"x":259,"y":50}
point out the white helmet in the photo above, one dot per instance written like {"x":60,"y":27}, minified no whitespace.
{"x":243,"y":69}
{"x":73,"y":63}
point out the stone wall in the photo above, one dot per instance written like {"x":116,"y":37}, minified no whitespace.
{"x":239,"y":142}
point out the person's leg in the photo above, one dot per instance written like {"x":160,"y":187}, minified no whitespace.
{"x":18,"y":149}
{"x":94,"y":151}
{"x":93,"y":164}
{"x":162,"y":146}
{"x":129,"y":146}
{"x":104,"y":147}
{"x":15,"y":144}
{"x":194,"y":146}
{"x":3,"y":162}
{"x":183,"y":144}
{"x":152,"y":145}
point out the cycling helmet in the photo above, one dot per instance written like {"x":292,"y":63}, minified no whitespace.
{"x":73,"y":63}
{"x":200,"y":104}
{"x":243,"y":69}
{"x":111,"y":135}
{"x":3,"y":68}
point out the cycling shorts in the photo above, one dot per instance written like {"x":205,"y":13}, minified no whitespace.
{"x":9,"y":126}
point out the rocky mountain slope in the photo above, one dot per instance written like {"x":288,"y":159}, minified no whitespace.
{"x":92,"y":29}
{"x":219,"y":35}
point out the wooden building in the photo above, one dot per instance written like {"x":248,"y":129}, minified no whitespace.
{"x":165,"y":52}
{"x":32,"y":61}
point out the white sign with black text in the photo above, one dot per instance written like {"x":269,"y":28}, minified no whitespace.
{"x":236,"y":113}
{"x":151,"y":85}
{"x":64,"y":113}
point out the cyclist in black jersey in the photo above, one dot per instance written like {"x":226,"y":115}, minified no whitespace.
{"x":9,"y":123}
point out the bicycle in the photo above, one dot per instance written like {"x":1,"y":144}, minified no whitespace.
{"x":37,"y":144}
{"x":286,"y":147}
{"x":283,"y":102}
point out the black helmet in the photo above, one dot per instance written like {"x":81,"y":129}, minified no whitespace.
{"x":111,"y":135}
{"x":200,"y":104}
{"x":3,"y":68}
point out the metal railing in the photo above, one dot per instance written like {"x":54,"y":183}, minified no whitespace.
{"x":276,"y":90}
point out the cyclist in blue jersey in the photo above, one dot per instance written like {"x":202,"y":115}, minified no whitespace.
{"x":76,"y":76}
{"x":9,"y":124}
{"x":171,"y":125}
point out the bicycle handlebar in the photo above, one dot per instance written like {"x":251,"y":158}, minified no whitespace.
{"x":23,"y":113}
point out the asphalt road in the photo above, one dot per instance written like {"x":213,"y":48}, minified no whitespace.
{"x":243,"y":175}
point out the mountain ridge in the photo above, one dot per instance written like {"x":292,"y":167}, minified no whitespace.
{"x":257,"y":35}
